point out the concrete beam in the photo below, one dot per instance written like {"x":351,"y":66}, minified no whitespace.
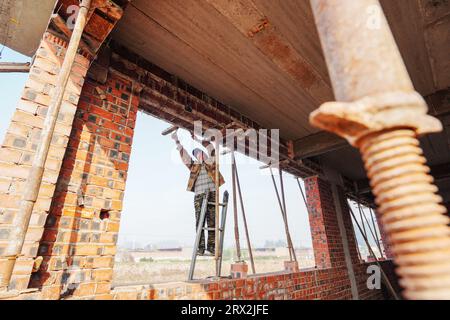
{"x":171,"y":99}
{"x":318,"y":143}
{"x":323,"y":142}
{"x":439,"y":103}
{"x":440,"y":173}
{"x":102,"y":19}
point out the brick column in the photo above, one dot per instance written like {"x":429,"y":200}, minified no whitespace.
{"x":81,"y":231}
{"x":326,"y":236}
{"x":20,"y":143}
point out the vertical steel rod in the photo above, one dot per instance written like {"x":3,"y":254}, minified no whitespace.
{"x":373,"y":236}
{"x":34,"y":179}
{"x":286,"y":228}
{"x":388,"y":283}
{"x":244,"y":218}
{"x":217,"y":205}
{"x":375,"y":227}
{"x":283,"y":197}
{"x":235,"y":210}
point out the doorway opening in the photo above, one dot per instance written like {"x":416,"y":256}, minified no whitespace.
{"x":157,"y":230}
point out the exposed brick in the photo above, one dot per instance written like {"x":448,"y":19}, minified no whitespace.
{"x":88,"y":160}
{"x":22,"y":139}
{"x":10,"y":155}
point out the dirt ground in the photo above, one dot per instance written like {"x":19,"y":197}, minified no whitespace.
{"x":163,"y":271}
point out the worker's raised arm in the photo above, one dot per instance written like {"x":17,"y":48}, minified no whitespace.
{"x":208,"y":145}
{"x":185,"y":157}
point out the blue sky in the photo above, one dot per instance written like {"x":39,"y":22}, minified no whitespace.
{"x":157,"y":209}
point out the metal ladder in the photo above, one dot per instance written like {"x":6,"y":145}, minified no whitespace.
{"x":201,"y":228}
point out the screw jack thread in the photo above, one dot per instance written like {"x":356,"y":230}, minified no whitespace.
{"x":410,"y":210}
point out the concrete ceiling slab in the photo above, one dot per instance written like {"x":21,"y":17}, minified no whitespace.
{"x":23,"y":22}
{"x":247,"y":53}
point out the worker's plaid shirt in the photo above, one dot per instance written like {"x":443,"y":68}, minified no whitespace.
{"x":204,"y":183}
{"x":195,"y":168}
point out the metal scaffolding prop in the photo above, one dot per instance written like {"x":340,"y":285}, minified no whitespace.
{"x":237,"y":191}
{"x":14,"y":67}
{"x":217,"y":208}
{"x":34,"y":179}
{"x":374,"y":226}
{"x":379,"y":112}
{"x":385,"y":278}
{"x":372,"y":232}
{"x":235,"y":211}
{"x":359,"y":209}
{"x":282,"y":204}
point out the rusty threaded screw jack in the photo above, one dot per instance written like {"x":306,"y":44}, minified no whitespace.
{"x":380,"y":113}
{"x":409,"y":207}
{"x":410,"y":212}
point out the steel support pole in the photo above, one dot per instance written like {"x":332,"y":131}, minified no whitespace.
{"x":373,"y":236}
{"x":34,"y":179}
{"x":217,"y":206}
{"x":386,"y":279}
{"x":286,"y":227}
{"x":244,"y":218}
{"x":359,"y":208}
{"x":379,"y":112}
{"x":235,"y":210}
{"x":283,"y":197}
{"x":375,"y":227}
{"x":14,"y":67}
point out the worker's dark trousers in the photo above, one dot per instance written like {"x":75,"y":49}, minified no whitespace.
{"x":210,"y":220}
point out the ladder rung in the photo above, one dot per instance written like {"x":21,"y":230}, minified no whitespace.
{"x":220,"y":204}
{"x":212,"y":229}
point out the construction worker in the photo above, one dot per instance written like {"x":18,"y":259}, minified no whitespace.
{"x":202,"y":182}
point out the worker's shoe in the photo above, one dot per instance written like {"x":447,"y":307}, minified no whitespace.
{"x":211,"y":251}
{"x":200,"y":252}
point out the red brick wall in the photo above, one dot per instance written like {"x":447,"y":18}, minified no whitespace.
{"x":81,"y":231}
{"x":326,"y":237}
{"x":323,"y":284}
{"x":76,"y":221}
{"x":20,"y":143}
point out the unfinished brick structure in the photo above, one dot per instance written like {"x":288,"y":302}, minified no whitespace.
{"x":76,"y":221}
{"x":70,"y":244}
{"x":21,"y":142}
